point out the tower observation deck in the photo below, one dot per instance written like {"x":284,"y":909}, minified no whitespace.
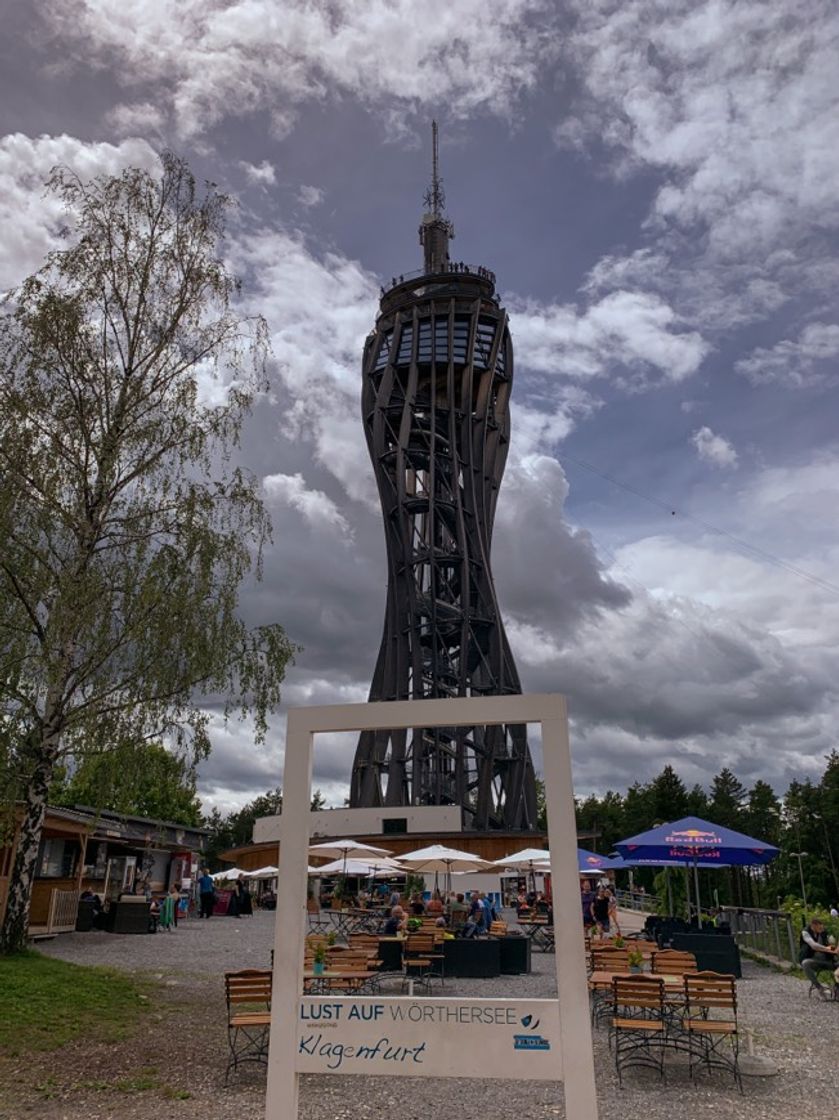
{"x":437,"y":376}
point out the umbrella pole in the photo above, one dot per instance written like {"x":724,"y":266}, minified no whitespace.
{"x":687,"y":887}
{"x":669,"y":891}
{"x":696,"y":885}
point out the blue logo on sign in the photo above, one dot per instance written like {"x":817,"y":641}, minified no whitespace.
{"x":530,"y":1042}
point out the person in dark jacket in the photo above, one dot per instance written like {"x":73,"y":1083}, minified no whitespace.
{"x":816,"y":955}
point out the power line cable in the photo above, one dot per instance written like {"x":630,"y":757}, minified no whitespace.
{"x":816,"y":581}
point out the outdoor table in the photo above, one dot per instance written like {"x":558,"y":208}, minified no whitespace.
{"x":322,"y":983}
{"x":673,"y":985}
{"x":341,"y":920}
{"x":359,"y":920}
{"x":541,"y":935}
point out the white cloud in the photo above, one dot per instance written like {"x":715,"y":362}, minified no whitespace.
{"x":310,"y":196}
{"x":209,"y":62}
{"x":637,"y":330}
{"x":321,"y":309}
{"x":262,"y":174}
{"x":316,"y":507}
{"x":137,"y":119}
{"x":733,"y":106}
{"x":713,"y":449}
{"x":797,"y":363}
{"x":29,"y":221}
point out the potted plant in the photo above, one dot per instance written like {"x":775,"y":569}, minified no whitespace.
{"x":331,"y":938}
{"x":619,"y":942}
{"x":413,"y":924}
{"x":636,"y":960}
{"x":319,"y":958}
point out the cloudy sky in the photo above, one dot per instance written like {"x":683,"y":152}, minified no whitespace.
{"x":655,"y":184}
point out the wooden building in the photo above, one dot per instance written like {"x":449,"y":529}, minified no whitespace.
{"x":105,"y":852}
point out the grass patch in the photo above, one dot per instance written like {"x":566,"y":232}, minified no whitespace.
{"x":46,"y":1003}
{"x":141,"y":1083}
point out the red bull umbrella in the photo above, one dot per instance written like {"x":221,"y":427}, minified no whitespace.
{"x":695,"y":843}
{"x":692,"y":840}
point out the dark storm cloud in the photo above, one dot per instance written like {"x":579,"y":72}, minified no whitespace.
{"x":668,"y":227}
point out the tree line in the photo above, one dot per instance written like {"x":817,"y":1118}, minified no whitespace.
{"x":804,"y":820}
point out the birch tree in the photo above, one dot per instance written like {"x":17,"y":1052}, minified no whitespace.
{"x":126,"y":529}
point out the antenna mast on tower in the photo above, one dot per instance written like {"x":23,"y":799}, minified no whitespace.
{"x":436,"y":230}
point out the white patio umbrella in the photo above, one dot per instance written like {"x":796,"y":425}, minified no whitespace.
{"x":437,"y":857}
{"x":362,"y":868}
{"x":268,"y":872}
{"x":231,"y":873}
{"x":346,"y":849}
{"x":530,"y":860}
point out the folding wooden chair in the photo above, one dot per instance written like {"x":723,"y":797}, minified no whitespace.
{"x":673,"y":962}
{"x":422,"y":959}
{"x":638,"y":1027}
{"x":248,"y":995}
{"x":711,"y":1022}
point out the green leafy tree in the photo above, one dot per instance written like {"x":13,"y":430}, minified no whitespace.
{"x":144,"y":779}
{"x":126,"y":532}
{"x":236,"y":829}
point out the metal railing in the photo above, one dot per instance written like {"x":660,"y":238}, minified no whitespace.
{"x":637,"y":900}
{"x":768,"y":932}
{"x":457,"y":268}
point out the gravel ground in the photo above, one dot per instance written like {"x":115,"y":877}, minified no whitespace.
{"x":181,"y":1048}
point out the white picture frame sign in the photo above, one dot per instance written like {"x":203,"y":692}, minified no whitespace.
{"x":547,"y":1039}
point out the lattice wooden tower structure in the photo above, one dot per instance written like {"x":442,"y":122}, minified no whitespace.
{"x":437,"y":375}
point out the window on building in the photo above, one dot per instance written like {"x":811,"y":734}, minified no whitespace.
{"x":58,"y":858}
{"x":394,"y":824}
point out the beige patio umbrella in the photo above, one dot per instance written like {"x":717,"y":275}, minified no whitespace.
{"x":437,"y":858}
{"x":346,"y":849}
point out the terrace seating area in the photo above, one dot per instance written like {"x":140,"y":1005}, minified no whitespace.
{"x":657,"y":1001}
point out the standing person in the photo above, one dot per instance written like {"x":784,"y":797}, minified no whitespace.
{"x":602,"y":910}
{"x":587,"y":897}
{"x":175,"y":895}
{"x":240,"y":900}
{"x":206,"y":893}
{"x":167,"y":914}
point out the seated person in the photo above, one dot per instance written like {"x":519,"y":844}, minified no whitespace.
{"x":395,"y":923}
{"x":417,"y":906}
{"x":457,"y":912}
{"x":816,"y":955}
{"x":435,"y":904}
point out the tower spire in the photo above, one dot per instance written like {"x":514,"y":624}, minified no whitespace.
{"x":438,"y":198}
{"x":436,"y":230}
